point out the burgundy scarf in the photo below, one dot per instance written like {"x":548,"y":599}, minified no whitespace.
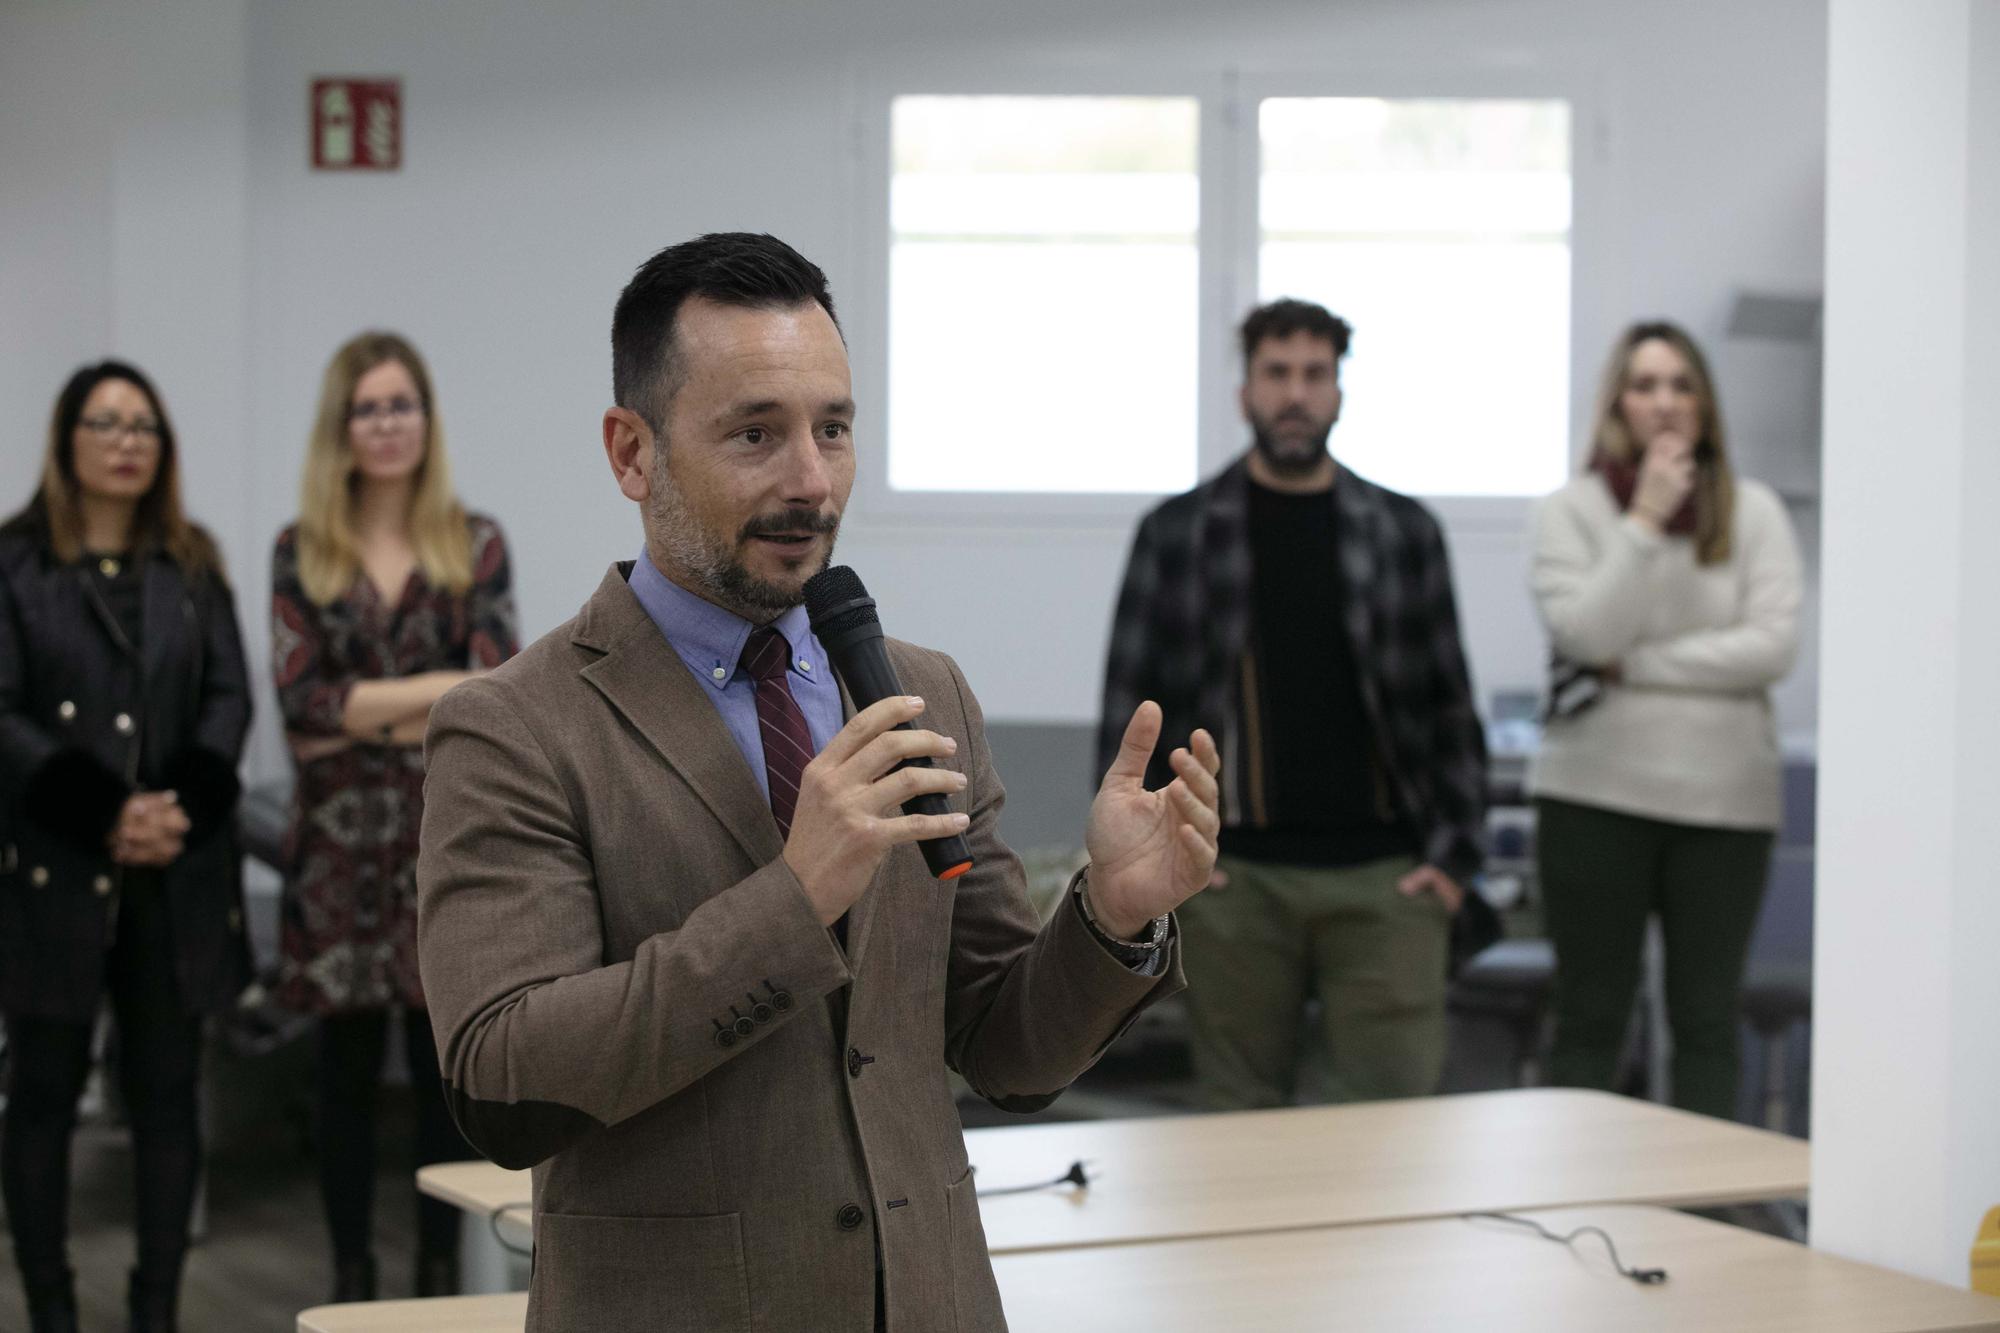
{"x":1623,"y":479}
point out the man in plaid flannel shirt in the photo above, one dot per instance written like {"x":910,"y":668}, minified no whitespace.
{"x":1305,"y":616}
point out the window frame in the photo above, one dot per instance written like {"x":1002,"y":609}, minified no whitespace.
{"x":1228,"y":162}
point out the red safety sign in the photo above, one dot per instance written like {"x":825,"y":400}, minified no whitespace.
{"x":357,"y":124}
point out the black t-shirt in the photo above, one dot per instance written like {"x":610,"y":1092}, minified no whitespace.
{"x":1326,"y":797}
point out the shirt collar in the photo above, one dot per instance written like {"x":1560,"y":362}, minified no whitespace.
{"x":709,"y":639}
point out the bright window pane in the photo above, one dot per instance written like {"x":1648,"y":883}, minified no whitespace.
{"x":1440,"y":231}
{"x":1042,"y":294}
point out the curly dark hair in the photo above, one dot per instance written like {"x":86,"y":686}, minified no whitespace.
{"x":1288,"y":315}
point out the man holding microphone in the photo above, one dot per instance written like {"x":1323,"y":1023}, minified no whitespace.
{"x":682,"y":954}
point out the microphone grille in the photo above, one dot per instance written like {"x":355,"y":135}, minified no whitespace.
{"x":835,"y":600}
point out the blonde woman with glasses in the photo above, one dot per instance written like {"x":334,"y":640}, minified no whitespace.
{"x":123,"y":704}
{"x":385,"y":594}
{"x":1670,"y":589}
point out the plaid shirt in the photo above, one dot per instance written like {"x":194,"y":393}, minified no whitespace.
{"x":1182,"y":635}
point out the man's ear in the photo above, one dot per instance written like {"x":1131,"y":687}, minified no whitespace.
{"x":628,"y":447}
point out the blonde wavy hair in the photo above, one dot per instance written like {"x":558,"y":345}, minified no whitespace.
{"x":329,"y":552}
{"x":1714,"y":482}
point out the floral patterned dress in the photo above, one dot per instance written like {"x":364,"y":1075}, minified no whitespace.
{"x":349,"y":929}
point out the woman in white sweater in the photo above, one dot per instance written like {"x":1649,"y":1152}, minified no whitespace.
{"x":1670,"y":589}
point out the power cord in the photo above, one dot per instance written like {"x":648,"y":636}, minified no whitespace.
{"x":1645,"y":1277}
{"x":1076,"y":1175}
{"x":493,"y":1216}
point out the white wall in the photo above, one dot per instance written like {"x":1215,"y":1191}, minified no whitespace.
{"x":1906,"y":1089}
{"x":123,"y":213}
{"x":547,"y":153}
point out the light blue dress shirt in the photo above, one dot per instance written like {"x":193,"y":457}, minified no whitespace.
{"x":710,"y":640}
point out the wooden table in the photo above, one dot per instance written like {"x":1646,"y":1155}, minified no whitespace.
{"x":1175,"y":1177}
{"x":1450,"y":1274}
{"x":481,"y":1187}
{"x":1257,"y":1171}
{"x":1441,"y":1274}
{"x":490,"y":1251}
{"x":506,"y":1313}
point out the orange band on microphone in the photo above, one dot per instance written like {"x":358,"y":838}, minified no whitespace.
{"x":956,"y":870}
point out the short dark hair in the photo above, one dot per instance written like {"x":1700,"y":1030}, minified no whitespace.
{"x":736,"y":268}
{"x":1288,"y":315}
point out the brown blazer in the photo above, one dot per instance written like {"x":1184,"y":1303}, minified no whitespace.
{"x":729,"y":1117}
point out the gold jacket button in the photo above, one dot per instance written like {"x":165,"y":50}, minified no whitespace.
{"x":124,"y":724}
{"x":39,"y":877}
{"x":66,"y":710}
{"x":101,"y":886}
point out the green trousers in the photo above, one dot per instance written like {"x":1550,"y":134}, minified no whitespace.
{"x":1602,"y":874}
{"x":1255,"y":949}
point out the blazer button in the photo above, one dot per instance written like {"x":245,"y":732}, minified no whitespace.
{"x":744,"y":1027}
{"x":851,"y":1217}
{"x":124,"y":724}
{"x":39,"y":877}
{"x":101,"y":886}
{"x":761,"y":1012}
{"x":725,"y":1037}
{"x":853,"y":1063}
{"x":66,"y":710}
{"x":781,"y":1000}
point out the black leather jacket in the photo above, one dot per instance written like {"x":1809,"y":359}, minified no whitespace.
{"x":85,"y":720}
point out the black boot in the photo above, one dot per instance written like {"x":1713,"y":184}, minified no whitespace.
{"x":151,"y":1301}
{"x":354,"y":1279}
{"x":437,"y":1275}
{"x":52,"y":1307}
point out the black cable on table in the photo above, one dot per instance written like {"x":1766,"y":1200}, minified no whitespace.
{"x":1076,"y":1175}
{"x":493,"y":1216}
{"x":1643,"y":1276}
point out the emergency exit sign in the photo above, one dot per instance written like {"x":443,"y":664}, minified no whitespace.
{"x":357,"y":124}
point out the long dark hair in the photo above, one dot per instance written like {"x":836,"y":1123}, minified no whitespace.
{"x":158,"y":524}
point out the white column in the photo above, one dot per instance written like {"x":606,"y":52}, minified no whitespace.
{"x":1906,"y":1055}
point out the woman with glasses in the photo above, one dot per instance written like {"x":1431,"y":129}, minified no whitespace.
{"x":1670,"y":588}
{"x":123,"y":705}
{"x":385,"y":594}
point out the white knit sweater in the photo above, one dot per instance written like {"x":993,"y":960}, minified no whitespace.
{"x":1689,"y":735}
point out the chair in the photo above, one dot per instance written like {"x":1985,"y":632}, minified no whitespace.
{"x":1511,"y":982}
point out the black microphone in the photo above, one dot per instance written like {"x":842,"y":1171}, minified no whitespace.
{"x":844,"y":620}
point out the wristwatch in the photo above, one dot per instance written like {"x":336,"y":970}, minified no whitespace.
{"x":1131,"y":951}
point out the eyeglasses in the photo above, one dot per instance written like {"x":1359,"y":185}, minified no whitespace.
{"x":109,"y":429}
{"x":394,"y":410}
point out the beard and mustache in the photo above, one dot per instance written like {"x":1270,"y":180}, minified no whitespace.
{"x":1295,"y":456}
{"x":712,"y":560}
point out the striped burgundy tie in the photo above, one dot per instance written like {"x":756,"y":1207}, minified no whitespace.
{"x":788,"y":746}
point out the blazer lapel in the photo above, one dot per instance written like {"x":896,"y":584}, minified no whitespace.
{"x":1227,"y":576}
{"x":861,"y":916}
{"x":159,"y":617}
{"x":1222,"y":609}
{"x":1355,"y":532}
{"x":640,"y":676}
